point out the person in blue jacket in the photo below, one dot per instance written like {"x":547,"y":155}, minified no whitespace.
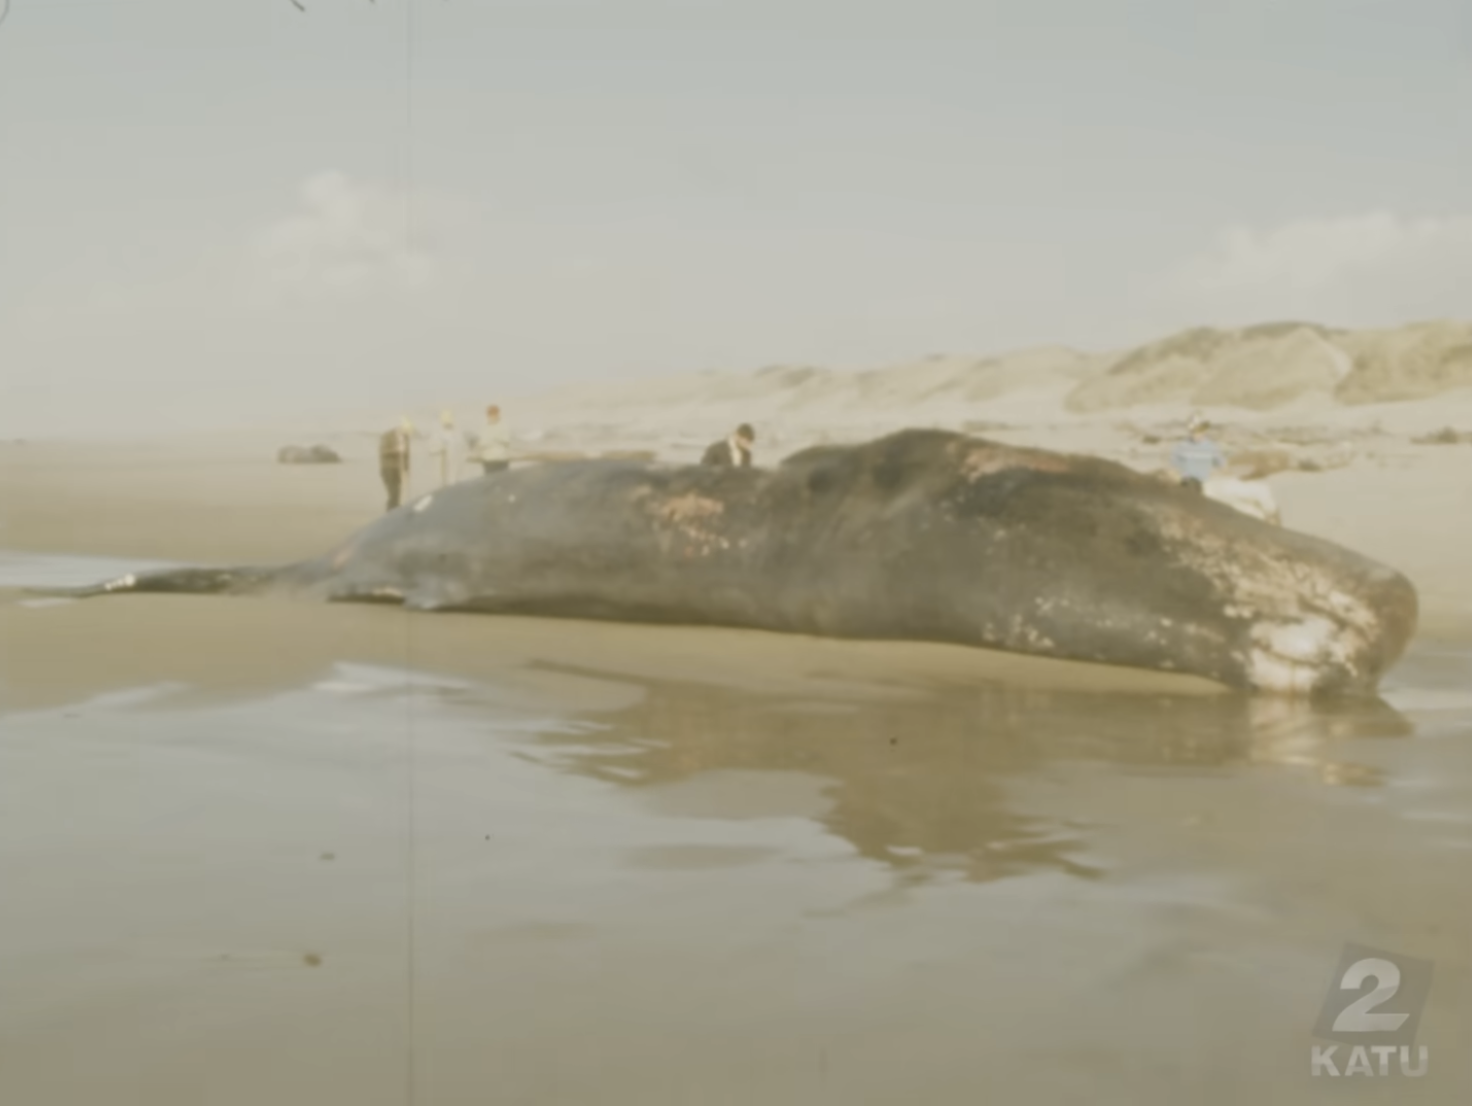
{"x":1196,"y":456}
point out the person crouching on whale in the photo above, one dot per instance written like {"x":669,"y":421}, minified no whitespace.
{"x":393,"y":461}
{"x":734,"y":450}
{"x":1195,"y":457}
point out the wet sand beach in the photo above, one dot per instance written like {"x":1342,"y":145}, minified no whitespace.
{"x":309,"y":848}
{"x":256,"y":851}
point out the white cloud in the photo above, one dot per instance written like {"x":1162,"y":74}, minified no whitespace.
{"x":345,"y":236}
{"x":1369,"y":269}
{"x":1315,"y":253}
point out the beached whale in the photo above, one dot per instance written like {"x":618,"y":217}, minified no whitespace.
{"x":920,"y":535}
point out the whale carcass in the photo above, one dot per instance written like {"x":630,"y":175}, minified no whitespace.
{"x":921,"y":535}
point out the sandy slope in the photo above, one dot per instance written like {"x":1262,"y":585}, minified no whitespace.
{"x":1271,"y":373}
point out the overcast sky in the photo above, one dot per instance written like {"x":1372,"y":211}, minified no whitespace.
{"x":213,"y":209}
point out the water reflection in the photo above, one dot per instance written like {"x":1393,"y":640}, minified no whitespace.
{"x":922,"y":786}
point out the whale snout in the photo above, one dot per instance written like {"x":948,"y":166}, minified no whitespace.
{"x":1339,"y":637}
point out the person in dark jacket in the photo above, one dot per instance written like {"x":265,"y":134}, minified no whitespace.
{"x":734,"y":450}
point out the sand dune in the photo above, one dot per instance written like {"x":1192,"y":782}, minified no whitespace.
{"x":1303,"y":372}
{"x":1270,"y":366}
{"x":952,"y":388}
{"x":1415,"y":362}
{"x":1262,"y":368}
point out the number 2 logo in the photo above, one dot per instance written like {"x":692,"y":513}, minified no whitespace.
{"x":1356,"y":1017}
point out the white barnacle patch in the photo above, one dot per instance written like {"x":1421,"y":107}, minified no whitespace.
{"x":1354,"y":611}
{"x":423,"y":504}
{"x":1270,"y":672}
{"x":1308,"y":640}
{"x":1290,"y":656}
{"x":1038,"y":640}
{"x":984,"y":460}
{"x":1308,"y":615}
{"x":121,"y":582}
{"x":690,"y":524}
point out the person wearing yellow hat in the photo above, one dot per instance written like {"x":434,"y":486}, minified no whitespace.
{"x":393,"y":461}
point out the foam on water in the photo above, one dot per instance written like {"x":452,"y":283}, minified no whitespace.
{"x":105,"y":702}
{"x":46,"y":570}
{"x":1434,"y":676}
{"x":358,"y":679}
{"x":1428,"y":699}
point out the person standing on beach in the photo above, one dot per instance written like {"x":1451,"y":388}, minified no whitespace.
{"x":442,"y":445}
{"x":734,"y":450}
{"x":1197,"y":456}
{"x":393,"y":461}
{"x":493,"y":447}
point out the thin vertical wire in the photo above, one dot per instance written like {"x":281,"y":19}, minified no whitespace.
{"x":410,"y":881}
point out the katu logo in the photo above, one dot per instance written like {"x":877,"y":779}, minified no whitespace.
{"x":1372,"y":1012}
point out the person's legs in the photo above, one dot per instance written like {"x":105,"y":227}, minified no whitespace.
{"x":495,"y":466}
{"x":393,"y":482}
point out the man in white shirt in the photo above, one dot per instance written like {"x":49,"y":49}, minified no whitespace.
{"x":493,"y":447}
{"x":442,"y":445}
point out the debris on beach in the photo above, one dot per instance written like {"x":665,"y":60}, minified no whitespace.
{"x":307,"y":455}
{"x":1445,"y":436}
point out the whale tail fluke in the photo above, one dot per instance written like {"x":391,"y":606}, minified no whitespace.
{"x":170,"y":581}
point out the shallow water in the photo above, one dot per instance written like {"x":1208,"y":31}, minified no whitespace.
{"x":386,"y":886}
{"x":48,"y":570}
